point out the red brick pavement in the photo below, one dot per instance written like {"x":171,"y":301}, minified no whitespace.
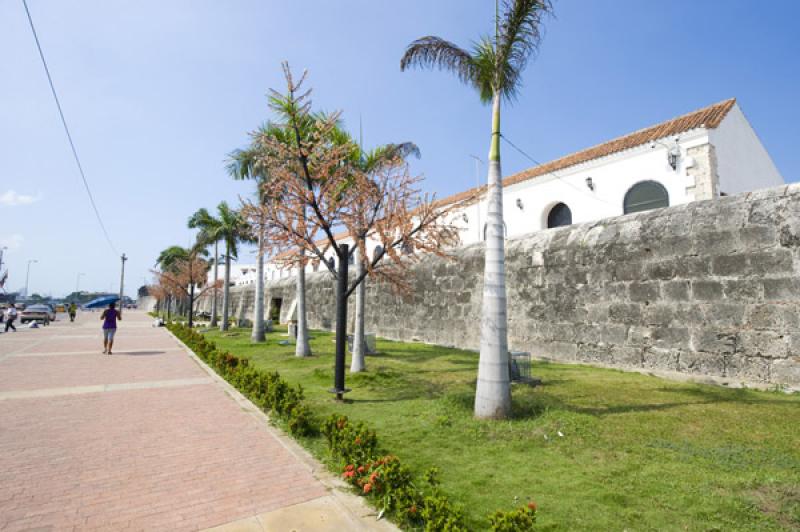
{"x":182,"y":458}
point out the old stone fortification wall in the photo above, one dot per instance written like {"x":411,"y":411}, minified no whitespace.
{"x":709,"y":289}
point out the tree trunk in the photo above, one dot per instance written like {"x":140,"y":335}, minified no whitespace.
{"x":341,"y":323}
{"x":214,"y":291}
{"x":358,"y":362}
{"x":191,"y":302}
{"x":493,"y":390}
{"x":258,"y":315}
{"x":302,"y":347}
{"x":226,"y":290}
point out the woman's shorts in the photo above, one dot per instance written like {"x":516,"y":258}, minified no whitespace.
{"x":108,"y":335}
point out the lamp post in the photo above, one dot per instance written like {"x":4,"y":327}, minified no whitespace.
{"x":2,"y":249}
{"x":122,"y":282}
{"x":78,"y":283}
{"x":28,"y":275}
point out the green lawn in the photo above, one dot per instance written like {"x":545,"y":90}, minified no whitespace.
{"x":637,"y":452}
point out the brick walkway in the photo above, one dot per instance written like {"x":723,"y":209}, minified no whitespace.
{"x":144,"y":439}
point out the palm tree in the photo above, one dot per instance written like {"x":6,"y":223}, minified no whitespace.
{"x":232,"y":230}
{"x":209,"y":233}
{"x":370,"y":162}
{"x":494,"y":68}
{"x":242,"y":164}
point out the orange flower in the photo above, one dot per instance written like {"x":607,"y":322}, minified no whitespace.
{"x":532,"y":506}
{"x":361,"y":469}
{"x":373,"y":476}
{"x":349,"y":467}
{"x":348,"y":474}
{"x":413,"y":509}
{"x":358,"y":441}
{"x":367,"y":488}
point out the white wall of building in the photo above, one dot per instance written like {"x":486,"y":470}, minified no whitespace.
{"x":612,"y":177}
{"x":743,"y":163}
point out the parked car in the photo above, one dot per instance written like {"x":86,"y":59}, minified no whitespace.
{"x":42,"y":313}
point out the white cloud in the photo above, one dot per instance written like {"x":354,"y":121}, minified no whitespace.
{"x":11,"y":241}
{"x":12,"y":199}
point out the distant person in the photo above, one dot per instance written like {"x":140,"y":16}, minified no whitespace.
{"x":73,"y":309}
{"x":109,"y":317}
{"x":11,"y":315}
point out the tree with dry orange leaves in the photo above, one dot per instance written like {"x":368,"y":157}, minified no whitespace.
{"x":327,"y":200}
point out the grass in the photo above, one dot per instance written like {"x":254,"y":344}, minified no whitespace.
{"x":637,"y":452}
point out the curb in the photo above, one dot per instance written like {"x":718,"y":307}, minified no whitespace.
{"x":360,"y":512}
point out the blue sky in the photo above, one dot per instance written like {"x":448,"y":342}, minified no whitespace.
{"x":158,"y":92}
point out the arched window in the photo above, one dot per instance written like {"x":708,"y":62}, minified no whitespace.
{"x":645,"y":196}
{"x":559,"y":216}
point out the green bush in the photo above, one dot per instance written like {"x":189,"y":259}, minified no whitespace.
{"x":519,"y":520}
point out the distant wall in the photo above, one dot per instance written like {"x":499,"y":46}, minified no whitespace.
{"x":707,"y":289}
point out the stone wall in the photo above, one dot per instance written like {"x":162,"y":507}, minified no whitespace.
{"x":708,"y":289}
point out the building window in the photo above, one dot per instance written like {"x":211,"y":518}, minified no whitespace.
{"x":645,"y":196}
{"x":559,"y":216}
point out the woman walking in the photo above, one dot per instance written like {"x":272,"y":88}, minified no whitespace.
{"x":109,"y":317}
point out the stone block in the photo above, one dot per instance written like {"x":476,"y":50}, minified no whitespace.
{"x":771,"y":262}
{"x":670,"y":337}
{"x":594,"y":354}
{"x":716,"y":242}
{"x":774,"y":316}
{"x":628,"y":271}
{"x":786,"y":372}
{"x":764,"y":344}
{"x":744,"y":368}
{"x":624,"y":312}
{"x":723,"y":314}
{"x":707,"y":290}
{"x":758,"y":236}
{"x":675,"y":290}
{"x":714,"y":340}
{"x":692,"y":267}
{"x":639,"y":292}
{"x":627,"y":356}
{"x":661,"y":270}
{"x":639,"y":335}
{"x":729,"y":265}
{"x":659,"y":314}
{"x":658,"y":358}
{"x":742,"y":289}
{"x":781,"y":289}
{"x":702,"y":363}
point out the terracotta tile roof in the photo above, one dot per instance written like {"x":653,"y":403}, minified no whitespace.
{"x":707,"y":117}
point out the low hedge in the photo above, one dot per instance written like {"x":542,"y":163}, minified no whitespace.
{"x":383,"y":478}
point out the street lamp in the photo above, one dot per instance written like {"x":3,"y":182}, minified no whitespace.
{"x":28,"y":275}
{"x":78,"y":282}
{"x":2,"y":249}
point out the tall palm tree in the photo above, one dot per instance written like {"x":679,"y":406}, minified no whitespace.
{"x":242,"y":164}
{"x":494,"y":68}
{"x":233,"y":230}
{"x":209,"y":233}
{"x":370,"y":162}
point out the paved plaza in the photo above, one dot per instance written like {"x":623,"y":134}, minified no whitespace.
{"x":145,"y":439}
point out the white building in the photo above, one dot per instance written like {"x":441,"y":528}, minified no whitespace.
{"x":698,"y":156}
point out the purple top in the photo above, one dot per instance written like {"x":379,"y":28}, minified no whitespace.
{"x":111,"y":319}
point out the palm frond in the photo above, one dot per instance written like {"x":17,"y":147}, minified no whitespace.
{"x":434,"y":52}
{"x":520,"y":33}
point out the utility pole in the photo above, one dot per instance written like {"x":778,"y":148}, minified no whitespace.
{"x":28,"y":275}
{"x":2,"y":249}
{"x":122,"y":282}
{"x":78,"y":283}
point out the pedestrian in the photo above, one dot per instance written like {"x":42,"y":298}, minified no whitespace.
{"x":109,"y":317}
{"x":11,"y":315}
{"x":73,"y":309}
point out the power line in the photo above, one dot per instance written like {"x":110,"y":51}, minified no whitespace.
{"x":66,"y":129}
{"x":537,"y":163}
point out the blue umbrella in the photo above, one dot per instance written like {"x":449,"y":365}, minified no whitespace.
{"x":101,"y":302}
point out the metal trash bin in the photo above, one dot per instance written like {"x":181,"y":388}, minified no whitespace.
{"x":519,"y":366}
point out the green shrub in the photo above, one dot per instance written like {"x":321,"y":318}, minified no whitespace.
{"x":519,"y":520}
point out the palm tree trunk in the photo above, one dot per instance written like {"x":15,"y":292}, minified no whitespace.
{"x":258,"y":317}
{"x":493,"y":390}
{"x":214,"y":291}
{"x":226,"y":290}
{"x":358,"y":362}
{"x":302,"y":347}
{"x":191,"y":304}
